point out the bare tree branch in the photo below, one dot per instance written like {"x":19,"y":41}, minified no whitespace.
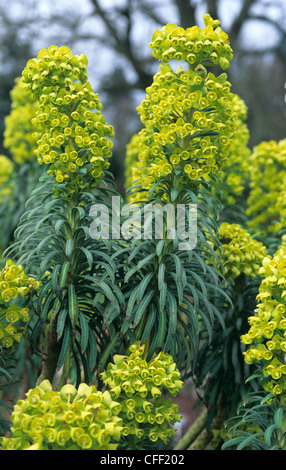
{"x":239,"y":21}
{"x":186,"y":13}
{"x":212,"y":8}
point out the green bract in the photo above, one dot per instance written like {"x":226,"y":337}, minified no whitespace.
{"x":71,"y":133}
{"x":139,"y":386}
{"x":6,"y":174}
{"x":19,"y":130}
{"x":266,"y":202}
{"x":83,"y":418}
{"x":240,"y":252}
{"x":70,"y":419}
{"x":14,"y":283}
{"x":266,"y":336}
{"x":207,"y":45}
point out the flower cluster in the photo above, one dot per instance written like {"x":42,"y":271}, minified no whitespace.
{"x":207,"y":45}
{"x":19,"y":130}
{"x":236,"y":170}
{"x":69,"y":419}
{"x":13,"y":283}
{"x":71,"y":133}
{"x":189,"y":117}
{"x":240,"y":252}
{"x":138,"y":386}
{"x":266,"y":336}
{"x":266,"y":208}
{"x":189,"y":121}
{"x":10,"y":319}
{"x":6,"y":173}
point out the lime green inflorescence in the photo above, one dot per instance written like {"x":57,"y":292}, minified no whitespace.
{"x":192,"y":45}
{"x":13,"y":283}
{"x":266,"y":337}
{"x":86,"y":419}
{"x":236,"y":170}
{"x":138,"y":385}
{"x":19,"y":130}
{"x":241,"y":254}
{"x":71,"y":133}
{"x":69,"y":419}
{"x":6,"y":177}
{"x":190,"y":116}
{"x":266,"y":208}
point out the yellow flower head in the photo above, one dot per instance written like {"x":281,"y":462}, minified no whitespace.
{"x":193,"y":45}
{"x":71,"y":133}
{"x":190,"y":116}
{"x":266,"y":337}
{"x":19,"y":130}
{"x":69,"y":419}
{"x":6,"y":175}
{"x":266,"y":208}
{"x":241,"y":254}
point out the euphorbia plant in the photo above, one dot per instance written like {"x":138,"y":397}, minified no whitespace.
{"x":53,"y":237}
{"x":131,"y":413}
{"x":260,"y":424}
{"x":190,"y":117}
{"x":100,"y":297}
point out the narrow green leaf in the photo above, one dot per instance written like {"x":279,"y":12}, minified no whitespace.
{"x":130,"y":273}
{"x":61,"y":320}
{"x":66,"y":343}
{"x":131,"y":302}
{"x":151,"y":318}
{"x":108,"y":352}
{"x":143,"y":286}
{"x":161,"y":275}
{"x":92,"y":349}
{"x":72,"y":305}
{"x":69,"y":248}
{"x":278,"y":418}
{"x":88,"y":255}
{"x":163,"y":295}
{"x":269,"y":433}
{"x":84,"y":330}
{"x":174,"y":194}
{"x":64,"y":274}
{"x":46,"y":262}
{"x":162,"y":324}
{"x":172,"y":307}
{"x":55,"y":278}
{"x":159,"y":247}
{"x":142,"y":307}
{"x":145,"y":261}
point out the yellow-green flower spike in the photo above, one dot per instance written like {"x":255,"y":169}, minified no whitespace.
{"x":266,"y":208}
{"x":6,"y":177}
{"x":266,"y":337}
{"x":190,"y":116}
{"x":241,"y":254}
{"x":13,"y":283}
{"x":193,"y":45}
{"x":139,"y":387}
{"x":71,"y":133}
{"x":236,"y":169}
{"x":19,"y":130}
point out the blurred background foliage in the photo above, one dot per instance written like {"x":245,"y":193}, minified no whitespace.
{"x":114,"y":34}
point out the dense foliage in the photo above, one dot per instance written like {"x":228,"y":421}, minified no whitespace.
{"x":112,"y":323}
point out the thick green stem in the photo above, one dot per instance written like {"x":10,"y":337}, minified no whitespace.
{"x":202,"y":441}
{"x":193,"y":432}
{"x":50,"y":361}
{"x":205,"y":437}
